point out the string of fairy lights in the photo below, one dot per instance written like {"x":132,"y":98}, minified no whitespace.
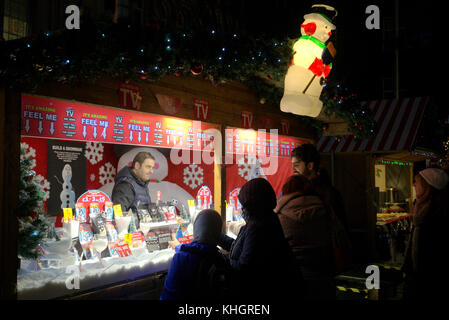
{"x":146,"y":54}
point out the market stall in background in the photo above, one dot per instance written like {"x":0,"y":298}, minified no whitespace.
{"x":394,"y":184}
{"x":375,"y":177}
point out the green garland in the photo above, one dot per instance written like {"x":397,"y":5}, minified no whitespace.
{"x":124,"y":52}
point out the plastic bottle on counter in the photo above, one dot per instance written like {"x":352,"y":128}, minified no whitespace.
{"x":86,"y":237}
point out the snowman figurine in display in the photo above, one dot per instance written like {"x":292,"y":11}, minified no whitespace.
{"x":312,"y":62}
{"x":67,"y":195}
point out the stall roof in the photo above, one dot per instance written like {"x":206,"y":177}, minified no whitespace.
{"x":397,"y":122}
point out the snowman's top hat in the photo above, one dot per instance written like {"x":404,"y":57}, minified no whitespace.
{"x":322,"y":12}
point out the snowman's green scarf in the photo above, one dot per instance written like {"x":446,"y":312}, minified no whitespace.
{"x":314,"y":40}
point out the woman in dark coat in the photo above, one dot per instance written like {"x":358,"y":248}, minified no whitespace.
{"x":260,"y":257}
{"x":306,"y":225}
{"x":189,"y":276}
{"x":423,"y":267}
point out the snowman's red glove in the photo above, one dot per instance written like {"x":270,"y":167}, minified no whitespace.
{"x":317,"y":67}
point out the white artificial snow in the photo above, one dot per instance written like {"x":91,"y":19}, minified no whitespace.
{"x":51,"y":283}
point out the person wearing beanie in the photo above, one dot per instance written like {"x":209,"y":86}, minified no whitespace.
{"x":262,"y":261}
{"x":188,"y":277}
{"x":428,"y":243}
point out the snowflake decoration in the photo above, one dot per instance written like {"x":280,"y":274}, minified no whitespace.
{"x":245,"y":166}
{"x":94,"y":152}
{"x":92,"y":177}
{"x":29,"y":153}
{"x":106,"y":174}
{"x":193,"y":176}
{"x":45,"y":184}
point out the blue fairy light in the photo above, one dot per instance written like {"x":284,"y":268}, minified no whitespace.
{"x":66,"y":62}
{"x":168,"y":48}
{"x":142,"y":50}
{"x":47,"y":33}
{"x":235,"y":36}
{"x":220,"y":58}
{"x":122,"y":59}
{"x":28,"y":45}
{"x":279,"y":60}
{"x":156,"y":68}
{"x":103,"y":35}
{"x":223,"y":49}
{"x":213,"y":31}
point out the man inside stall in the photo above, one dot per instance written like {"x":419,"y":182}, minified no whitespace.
{"x":131,"y":183}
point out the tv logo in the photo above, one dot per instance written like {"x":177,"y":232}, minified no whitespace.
{"x":73,"y":20}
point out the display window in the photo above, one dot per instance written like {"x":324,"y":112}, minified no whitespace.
{"x":255,"y":154}
{"x":76,"y":151}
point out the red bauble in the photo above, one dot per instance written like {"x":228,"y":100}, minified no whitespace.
{"x":196,"y":69}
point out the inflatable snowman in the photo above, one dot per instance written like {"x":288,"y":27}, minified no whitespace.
{"x":311,"y":63}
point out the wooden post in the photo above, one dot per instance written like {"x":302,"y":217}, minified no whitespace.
{"x":9,"y":174}
{"x":410,"y":200}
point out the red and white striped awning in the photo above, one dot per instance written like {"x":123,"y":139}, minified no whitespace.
{"x":397,"y":122}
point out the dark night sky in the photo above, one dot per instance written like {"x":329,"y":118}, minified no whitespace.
{"x":364,"y":56}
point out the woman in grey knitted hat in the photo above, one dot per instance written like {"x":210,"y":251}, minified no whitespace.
{"x":428,"y":242}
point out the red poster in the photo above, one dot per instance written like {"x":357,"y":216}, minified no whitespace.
{"x":201,"y":109}
{"x":247,"y":119}
{"x":241,"y":141}
{"x":67,"y":120}
{"x":129,"y":96}
{"x":169,"y":104}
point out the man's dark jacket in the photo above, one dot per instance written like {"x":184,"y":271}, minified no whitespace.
{"x":129,"y":191}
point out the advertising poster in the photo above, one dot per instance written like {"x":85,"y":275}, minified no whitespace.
{"x":66,"y":172}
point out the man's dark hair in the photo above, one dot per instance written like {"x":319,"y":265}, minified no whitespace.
{"x":141,"y":157}
{"x":307,"y":153}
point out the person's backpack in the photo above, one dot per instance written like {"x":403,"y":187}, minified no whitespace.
{"x":213,"y":278}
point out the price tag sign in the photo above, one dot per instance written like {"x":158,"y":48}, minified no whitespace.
{"x":128,"y":238}
{"x":68,"y":214}
{"x":118,"y":210}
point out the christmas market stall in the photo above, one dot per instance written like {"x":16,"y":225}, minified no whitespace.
{"x":74,"y":242}
{"x":70,"y":148}
{"x":375,"y":178}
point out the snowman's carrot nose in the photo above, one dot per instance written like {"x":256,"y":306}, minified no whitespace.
{"x":309,"y":28}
